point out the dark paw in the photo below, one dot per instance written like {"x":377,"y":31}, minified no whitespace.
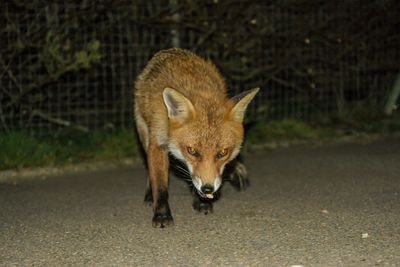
{"x":161,"y":220}
{"x":162,"y":213}
{"x":202,"y":206}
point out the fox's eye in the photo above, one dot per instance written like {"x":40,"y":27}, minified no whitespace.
{"x":193,"y":151}
{"x":222,"y":153}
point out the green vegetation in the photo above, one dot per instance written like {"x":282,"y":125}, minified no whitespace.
{"x":367,"y":120}
{"x":280,"y":130}
{"x":21,"y":150}
{"x":355,"y":122}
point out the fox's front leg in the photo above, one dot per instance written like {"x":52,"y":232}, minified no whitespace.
{"x":202,"y":205}
{"x":157,"y":158}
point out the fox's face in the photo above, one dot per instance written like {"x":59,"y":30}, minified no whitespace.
{"x":206,"y":148}
{"x":205,"y":137}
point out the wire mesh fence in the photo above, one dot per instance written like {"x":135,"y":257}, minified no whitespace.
{"x":74,"y":63}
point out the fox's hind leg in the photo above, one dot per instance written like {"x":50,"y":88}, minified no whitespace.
{"x":143,"y":133}
{"x":148,"y":196}
{"x":236,"y":173}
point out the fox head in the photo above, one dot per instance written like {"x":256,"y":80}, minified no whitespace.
{"x":206,"y":135}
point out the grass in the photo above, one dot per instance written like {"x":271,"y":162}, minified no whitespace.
{"x":21,"y":150}
{"x":264,"y":131}
{"x":368,"y":121}
{"x":69,"y":146}
{"x":350,"y":123}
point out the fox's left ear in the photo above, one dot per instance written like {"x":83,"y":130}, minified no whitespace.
{"x":242,"y":100}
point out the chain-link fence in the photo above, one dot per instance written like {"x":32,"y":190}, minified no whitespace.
{"x":74,"y":63}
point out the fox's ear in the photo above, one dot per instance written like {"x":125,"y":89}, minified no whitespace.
{"x":242,"y":100}
{"x":179,"y":107}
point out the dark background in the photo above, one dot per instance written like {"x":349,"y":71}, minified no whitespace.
{"x":324,"y":67}
{"x":69,"y":63}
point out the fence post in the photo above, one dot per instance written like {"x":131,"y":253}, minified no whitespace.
{"x":393,"y":96}
{"x":175,"y":40}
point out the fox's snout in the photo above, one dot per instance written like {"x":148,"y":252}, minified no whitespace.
{"x":207,"y":187}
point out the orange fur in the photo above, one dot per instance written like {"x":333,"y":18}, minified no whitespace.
{"x":181,"y":101}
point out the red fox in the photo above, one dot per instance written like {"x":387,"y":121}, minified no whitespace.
{"x":182,"y":109}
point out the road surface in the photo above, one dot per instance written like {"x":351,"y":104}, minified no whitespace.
{"x":337,"y":205}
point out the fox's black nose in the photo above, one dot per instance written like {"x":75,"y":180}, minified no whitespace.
{"x":207,"y":189}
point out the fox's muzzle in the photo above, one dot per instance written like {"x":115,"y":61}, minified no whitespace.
{"x":206,"y":189}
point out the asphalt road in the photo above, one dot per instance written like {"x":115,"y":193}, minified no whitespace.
{"x":337,"y":205}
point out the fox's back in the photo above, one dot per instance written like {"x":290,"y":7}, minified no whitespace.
{"x":194,"y":77}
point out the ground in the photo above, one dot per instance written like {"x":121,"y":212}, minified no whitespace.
{"x":335,"y":205}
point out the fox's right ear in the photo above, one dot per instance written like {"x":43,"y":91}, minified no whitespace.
{"x":179,"y":107}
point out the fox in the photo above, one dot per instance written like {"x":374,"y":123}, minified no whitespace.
{"x":182,"y":111}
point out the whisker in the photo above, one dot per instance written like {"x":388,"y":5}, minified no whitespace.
{"x":182,"y":169}
{"x":186,"y":175}
{"x":183,"y":172}
{"x":183,"y":176}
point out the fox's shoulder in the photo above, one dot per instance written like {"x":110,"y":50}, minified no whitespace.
{"x":168,"y":61}
{"x":183,"y":69}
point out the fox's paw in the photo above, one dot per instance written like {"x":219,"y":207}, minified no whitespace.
{"x":239,"y":177}
{"x":202,"y":206}
{"x":162,"y":213}
{"x":161,"y":220}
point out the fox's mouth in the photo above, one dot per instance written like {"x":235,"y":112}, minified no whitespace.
{"x":206,"y":191}
{"x":207,"y":196}
{"x":197,"y":185}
